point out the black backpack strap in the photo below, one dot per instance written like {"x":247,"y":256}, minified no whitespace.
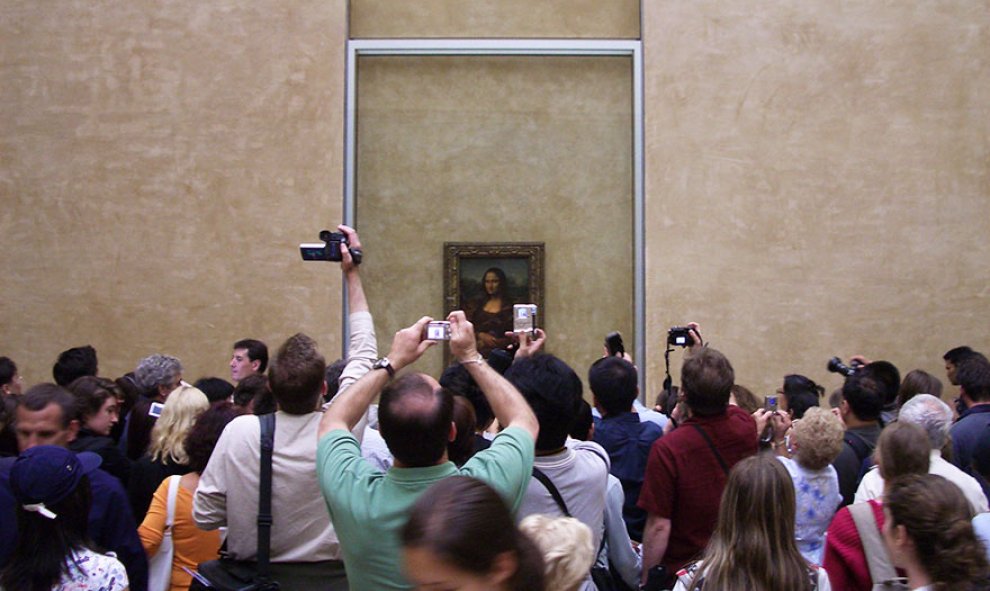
{"x":708,"y":440}
{"x":265,"y":494}
{"x":545,"y":481}
{"x":858,"y":445}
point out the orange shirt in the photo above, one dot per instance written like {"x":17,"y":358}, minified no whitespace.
{"x":192,"y":545}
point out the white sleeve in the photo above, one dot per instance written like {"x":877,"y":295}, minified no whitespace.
{"x":621,"y":557}
{"x":871,"y":487}
{"x":362,"y":351}
{"x":823,"y":582}
{"x":210,"y":499}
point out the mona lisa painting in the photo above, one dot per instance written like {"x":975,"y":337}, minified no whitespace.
{"x":485,"y":279}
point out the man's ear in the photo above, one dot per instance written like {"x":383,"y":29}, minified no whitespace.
{"x":453,"y":431}
{"x":255,"y":365}
{"x":73,"y":429}
{"x":503,"y":567}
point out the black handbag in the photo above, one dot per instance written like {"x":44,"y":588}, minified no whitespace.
{"x":225,"y":574}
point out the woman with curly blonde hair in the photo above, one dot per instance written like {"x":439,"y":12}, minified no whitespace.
{"x":167,"y":455}
{"x":810,"y":447}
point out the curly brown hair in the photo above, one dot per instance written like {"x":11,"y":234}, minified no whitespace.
{"x":205,"y":432}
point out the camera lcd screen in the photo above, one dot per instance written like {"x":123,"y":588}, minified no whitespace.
{"x":438,"y":331}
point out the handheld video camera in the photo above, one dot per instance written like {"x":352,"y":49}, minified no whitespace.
{"x":329,"y":250}
{"x":835,"y":365}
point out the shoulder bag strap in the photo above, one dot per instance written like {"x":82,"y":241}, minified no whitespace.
{"x":545,"y":481}
{"x":869,"y":534}
{"x":708,"y":440}
{"x":265,"y":493}
{"x":173,"y":492}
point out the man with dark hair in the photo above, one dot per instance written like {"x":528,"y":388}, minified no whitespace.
{"x":689,"y":467}
{"x":622,"y":433}
{"x":578,"y":470}
{"x":862,"y":402}
{"x":953,"y":357}
{"x":457,"y":379}
{"x":74,"y":363}
{"x":973,"y":375}
{"x":216,"y":389}
{"x":368,"y":507}
{"x":227,"y":494}
{"x":250,"y":357}
{"x":46,"y":416}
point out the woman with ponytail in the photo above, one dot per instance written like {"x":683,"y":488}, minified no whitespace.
{"x":928,"y":532}
{"x":460,"y":535}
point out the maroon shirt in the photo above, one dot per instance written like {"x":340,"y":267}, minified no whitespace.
{"x":684,"y":480}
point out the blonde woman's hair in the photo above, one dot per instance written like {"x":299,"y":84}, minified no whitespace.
{"x":568,"y":552}
{"x":753,"y":547}
{"x":818,"y":437}
{"x":182,"y":406}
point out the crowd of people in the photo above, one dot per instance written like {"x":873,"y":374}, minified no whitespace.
{"x":499,"y":475}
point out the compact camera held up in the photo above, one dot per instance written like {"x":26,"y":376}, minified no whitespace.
{"x":679,"y":336}
{"x":329,"y":250}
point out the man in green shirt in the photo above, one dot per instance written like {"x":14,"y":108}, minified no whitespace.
{"x":368,"y":508}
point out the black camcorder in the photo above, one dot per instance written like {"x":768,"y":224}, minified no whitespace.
{"x":835,"y":365}
{"x":329,"y":250}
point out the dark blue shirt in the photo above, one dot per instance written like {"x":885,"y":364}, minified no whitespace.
{"x":628,"y":440}
{"x":966,"y":434}
{"x":111,"y":524}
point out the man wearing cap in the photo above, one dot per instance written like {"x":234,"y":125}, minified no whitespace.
{"x":46,"y":416}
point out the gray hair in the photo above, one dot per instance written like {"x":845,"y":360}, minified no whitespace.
{"x":931,"y":414}
{"x":157,"y":370}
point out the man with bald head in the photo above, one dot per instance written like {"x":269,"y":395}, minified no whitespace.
{"x":369,"y":507}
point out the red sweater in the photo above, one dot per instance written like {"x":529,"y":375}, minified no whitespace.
{"x":845,"y":560}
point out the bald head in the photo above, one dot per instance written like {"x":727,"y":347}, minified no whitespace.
{"x":414,"y":417}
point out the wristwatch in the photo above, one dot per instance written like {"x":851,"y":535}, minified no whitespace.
{"x":385,"y":364}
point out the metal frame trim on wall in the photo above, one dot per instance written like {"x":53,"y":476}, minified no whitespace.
{"x":518,"y":47}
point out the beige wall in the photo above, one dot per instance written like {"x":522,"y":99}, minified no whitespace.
{"x":159,"y":164}
{"x":551,"y":19}
{"x":817,"y":180}
{"x":498,"y":149}
{"x":816,"y":176}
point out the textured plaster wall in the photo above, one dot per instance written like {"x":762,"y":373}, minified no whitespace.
{"x":159,"y":163}
{"x":498,"y":149}
{"x":817,"y":180}
{"x":816,"y":176}
{"x":552,"y":19}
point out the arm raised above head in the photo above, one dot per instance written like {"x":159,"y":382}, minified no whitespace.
{"x":350,"y":406}
{"x":510,"y":408}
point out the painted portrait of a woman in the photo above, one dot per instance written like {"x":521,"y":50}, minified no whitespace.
{"x":491,"y":312}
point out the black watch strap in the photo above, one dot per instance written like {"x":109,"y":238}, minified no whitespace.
{"x":385,"y":364}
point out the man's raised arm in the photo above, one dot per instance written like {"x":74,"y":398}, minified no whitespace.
{"x":350,"y":406}
{"x":510,"y":408}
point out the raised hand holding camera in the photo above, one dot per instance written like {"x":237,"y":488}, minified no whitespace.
{"x":462,"y":341}
{"x":333,"y":246}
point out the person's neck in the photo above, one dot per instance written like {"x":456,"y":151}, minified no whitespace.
{"x":917,"y":577}
{"x":854,"y":422}
{"x":550,"y":452}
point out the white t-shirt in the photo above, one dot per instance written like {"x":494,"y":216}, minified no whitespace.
{"x":91,"y":571}
{"x":871,"y":487}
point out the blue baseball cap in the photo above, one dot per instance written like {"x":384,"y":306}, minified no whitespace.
{"x":46,"y":474}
